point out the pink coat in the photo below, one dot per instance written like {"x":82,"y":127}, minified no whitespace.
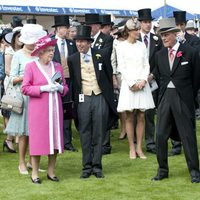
{"x":40,"y":139}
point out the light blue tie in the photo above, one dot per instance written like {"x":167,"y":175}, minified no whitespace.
{"x":62,"y":49}
{"x":86,"y":58}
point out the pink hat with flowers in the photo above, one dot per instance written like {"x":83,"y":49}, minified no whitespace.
{"x":42,"y":43}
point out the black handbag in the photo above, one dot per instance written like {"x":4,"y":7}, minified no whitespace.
{"x":69,"y":111}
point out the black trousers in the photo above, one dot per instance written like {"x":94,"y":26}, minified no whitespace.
{"x":67,"y":129}
{"x":172,"y":108}
{"x":92,"y":116}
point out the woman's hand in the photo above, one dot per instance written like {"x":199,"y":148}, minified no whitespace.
{"x":48,"y":88}
{"x":138,"y":86}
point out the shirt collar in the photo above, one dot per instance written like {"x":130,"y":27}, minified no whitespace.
{"x":175,"y":47}
{"x":143,"y":34}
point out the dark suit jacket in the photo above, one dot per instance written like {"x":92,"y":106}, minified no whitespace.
{"x":155,"y":45}
{"x":185,"y":74}
{"x":192,"y":40}
{"x":104,"y":41}
{"x":71,"y":46}
{"x":103,"y":78}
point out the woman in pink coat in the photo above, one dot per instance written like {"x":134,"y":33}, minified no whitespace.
{"x":44,"y":83}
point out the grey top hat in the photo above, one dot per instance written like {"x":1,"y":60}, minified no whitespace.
{"x":145,"y":14}
{"x":61,"y":20}
{"x":180,"y":16}
{"x":84,"y":33}
{"x":105,"y":20}
{"x":92,"y":19}
{"x":31,"y":21}
{"x":168,"y":25}
{"x":190,"y":25}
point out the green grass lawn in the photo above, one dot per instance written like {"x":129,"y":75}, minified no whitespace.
{"x":124,"y":178}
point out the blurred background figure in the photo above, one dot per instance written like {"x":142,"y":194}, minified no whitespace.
{"x":119,"y":37}
{"x":73,"y":29}
{"x":12,"y":39}
{"x":64,"y":48}
{"x":18,"y":123}
{"x":106,"y":24}
{"x":190,"y":27}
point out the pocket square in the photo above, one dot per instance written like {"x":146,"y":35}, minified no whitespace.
{"x":184,"y":63}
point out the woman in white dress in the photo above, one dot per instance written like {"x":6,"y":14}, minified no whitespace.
{"x":135,"y":94}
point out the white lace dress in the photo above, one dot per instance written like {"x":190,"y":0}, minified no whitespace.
{"x":133,"y":65}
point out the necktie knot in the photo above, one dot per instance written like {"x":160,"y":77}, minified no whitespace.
{"x":86,"y":58}
{"x":146,"y":40}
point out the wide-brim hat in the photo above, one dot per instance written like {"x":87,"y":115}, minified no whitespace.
{"x":92,"y":19}
{"x":106,"y":20}
{"x":61,"y":20}
{"x":4,"y":32}
{"x":180,"y":17}
{"x":8,"y":37}
{"x":83,"y":33}
{"x":145,"y":14}
{"x":168,"y":25}
{"x":42,"y":43}
{"x":30,"y":33}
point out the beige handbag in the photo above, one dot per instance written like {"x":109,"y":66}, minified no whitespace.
{"x":12,"y":100}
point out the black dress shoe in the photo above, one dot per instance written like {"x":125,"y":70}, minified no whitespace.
{"x":85,"y":175}
{"x":70,"y":148}
{"x":54,"y":178}
{"x":159,"y":177}
{"x":106,"y":152}
{"x":36,"y":181}
{"x":153,"y":151}
{"x":174,"y":153}
{"x":195,"y":179}
{"x":99,"y":174}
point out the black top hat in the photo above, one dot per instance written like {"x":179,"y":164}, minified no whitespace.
{"x":16,"y":21}
{"x":180,"y":17}
{"x":61,"y":20}
{"x":31,"y":21}
{"x":144,"y":14}
{"x":84,"y":33}
{"x":105,"y":20}
{"x":92,"y":19}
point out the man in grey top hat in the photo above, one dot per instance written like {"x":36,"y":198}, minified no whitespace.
{"x":177,"y":72}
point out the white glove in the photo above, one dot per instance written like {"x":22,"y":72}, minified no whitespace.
{"x":59,"y":87}
{"x":48,"y":88}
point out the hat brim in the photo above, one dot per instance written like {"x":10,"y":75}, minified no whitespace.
{"x":145,"y":18}
{"x":108,"y":23}
{"x":61,"y":24}
{"x":84,"y":38}
{"x":166,"y":30}
{"x":8,"y":37}
{"x":51,"y":43}
{"x":89,"y":23}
